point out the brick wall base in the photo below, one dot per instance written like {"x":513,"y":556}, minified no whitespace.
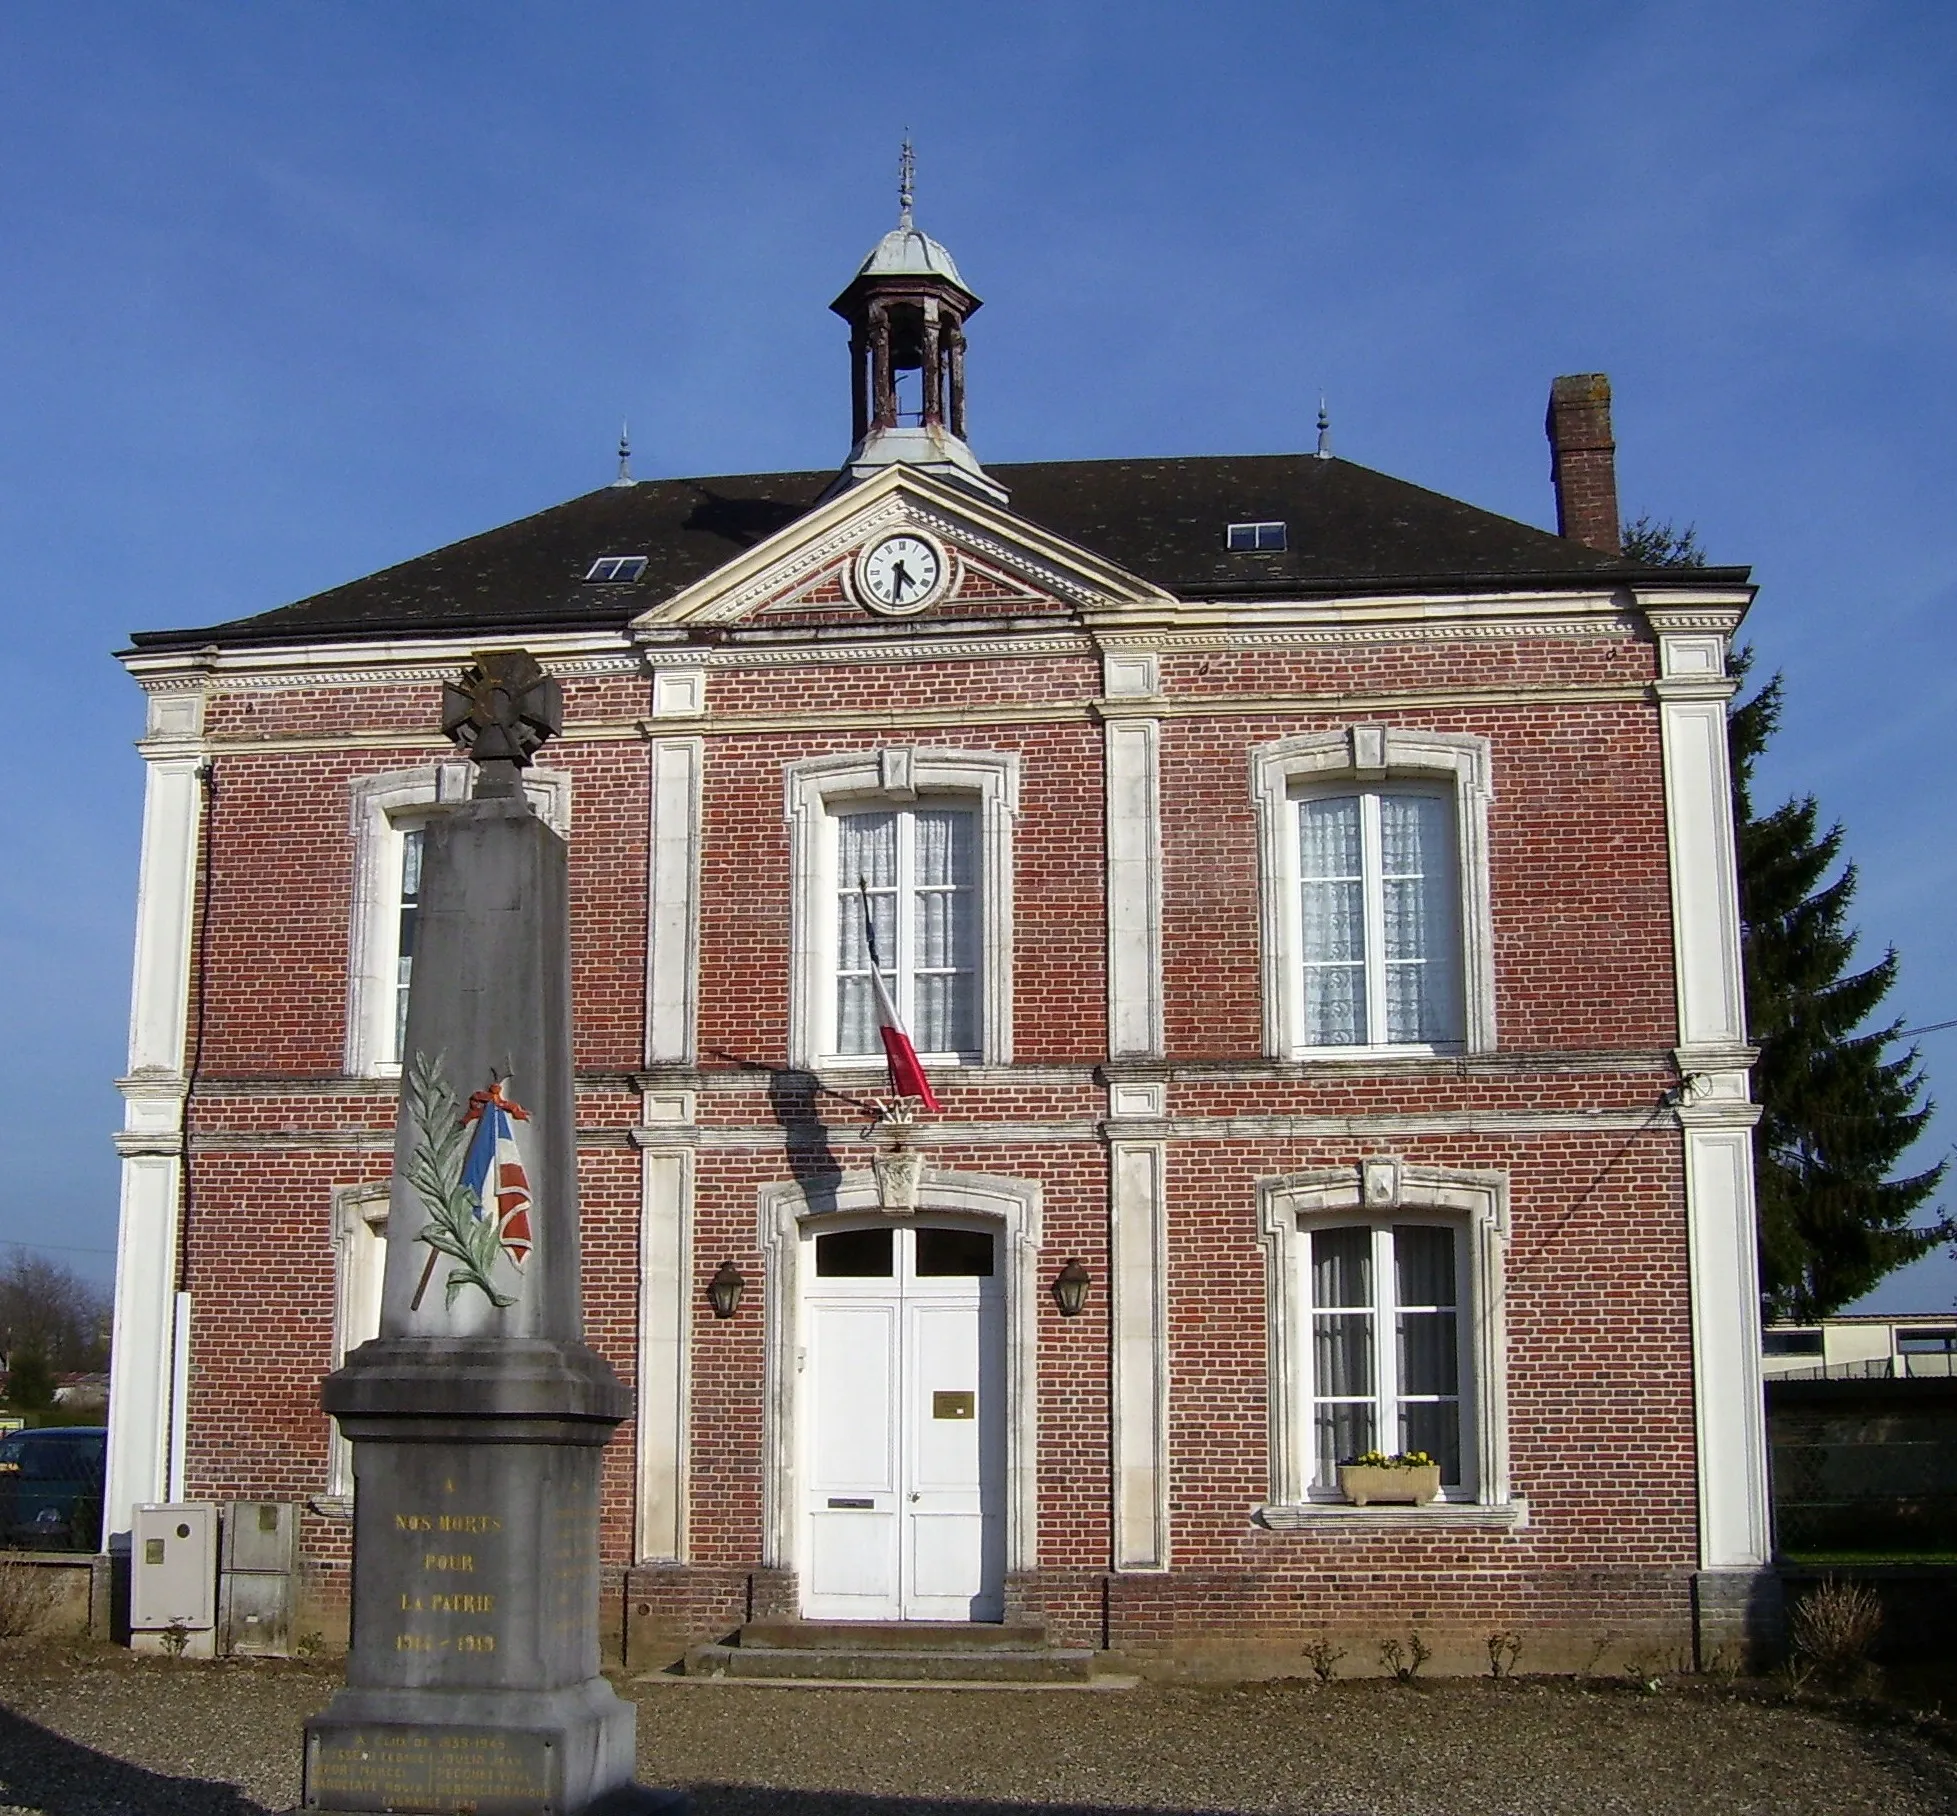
{"x":1737,"y":1617}
{"x":1247,"y":1624}
{"x":668,"y":1607}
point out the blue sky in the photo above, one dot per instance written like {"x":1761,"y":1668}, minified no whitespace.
{"x":289,"y":292}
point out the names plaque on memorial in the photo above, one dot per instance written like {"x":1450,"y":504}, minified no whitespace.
{"x":452,"y":1772}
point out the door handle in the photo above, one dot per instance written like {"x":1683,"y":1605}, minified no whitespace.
{"x":915,"y":1495}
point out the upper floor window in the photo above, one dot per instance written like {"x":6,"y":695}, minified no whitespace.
{"x":925,"y":836}
{"x":407,"y":908}
{"x":1247,"y":538}
{"x":917,"y":869}
{"x":390,"y":813}
{"x":1375,"y":900}
{"x":1379,"y":924}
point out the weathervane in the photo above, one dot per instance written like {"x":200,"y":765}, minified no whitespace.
{"x":906,"y":182}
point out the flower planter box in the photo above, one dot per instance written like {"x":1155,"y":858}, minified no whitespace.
{"x":1365,"y":1483}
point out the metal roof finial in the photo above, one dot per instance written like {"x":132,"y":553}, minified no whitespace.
{"x":906,"y":181}
{"x":624,"y":457}
{"x":1324,"y":429}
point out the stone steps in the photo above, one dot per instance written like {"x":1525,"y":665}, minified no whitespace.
{"x":893,"y":1652}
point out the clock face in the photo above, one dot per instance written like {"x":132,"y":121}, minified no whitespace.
{"x":902,"y":573}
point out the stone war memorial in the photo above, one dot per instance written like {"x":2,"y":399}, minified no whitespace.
{"x":479,"y":1415}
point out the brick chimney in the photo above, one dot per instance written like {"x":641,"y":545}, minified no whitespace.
{"x":1583,"y":460}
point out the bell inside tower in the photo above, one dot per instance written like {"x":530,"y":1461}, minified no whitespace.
{"x":907,"y":307}
{"x":910,"y":365}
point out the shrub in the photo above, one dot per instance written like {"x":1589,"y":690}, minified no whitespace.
{"x":1324,"y":1659}
{"x":1504,"y":1649}
{"x":1405,"y":1661}
{"x":1834,"y":1629}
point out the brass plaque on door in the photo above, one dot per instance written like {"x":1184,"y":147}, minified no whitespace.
{"x":954,"y":1406}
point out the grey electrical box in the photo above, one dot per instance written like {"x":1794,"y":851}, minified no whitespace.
{"x":256,"y":1591}
{"x":260,"y":1536}
{"x":173,"y":1566}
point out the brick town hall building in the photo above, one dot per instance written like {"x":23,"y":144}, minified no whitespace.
{"x":1314,"y":901}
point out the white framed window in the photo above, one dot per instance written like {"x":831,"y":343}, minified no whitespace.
{"x":929,"y":832}
{"x":1243,"y":538}
{"x":359,"y":1268}
{"x":916,"y":870}
{"x":1386,"y":1359}
{"x":1386,"y":1326}
{"x":388,"y":814}
{"x":1379,"y":931}
{"x":1375,"y":896}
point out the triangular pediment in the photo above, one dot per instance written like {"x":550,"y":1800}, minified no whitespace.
{"x":1003,"y":561}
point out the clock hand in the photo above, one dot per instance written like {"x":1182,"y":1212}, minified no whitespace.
{"x":900,"y":578}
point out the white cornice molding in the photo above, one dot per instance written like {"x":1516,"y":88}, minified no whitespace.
{"x":965,"y":643}
{"x":1398,"y":606}
{"x":567,"y":654}
{"x":1217,"y":633}
{"x":1716,"y":604}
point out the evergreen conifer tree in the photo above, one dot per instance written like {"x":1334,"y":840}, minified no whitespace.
{"x":1837,"y":1112}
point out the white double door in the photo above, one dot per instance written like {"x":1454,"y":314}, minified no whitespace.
{"x":903,"y":1424}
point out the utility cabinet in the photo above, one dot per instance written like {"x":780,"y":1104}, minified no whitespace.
{"x":173,"y":1577}
{"x":257,"y":1584}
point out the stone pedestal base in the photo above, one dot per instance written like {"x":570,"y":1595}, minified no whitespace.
{"x":472,"y":1685}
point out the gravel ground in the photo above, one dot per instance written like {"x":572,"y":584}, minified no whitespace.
{"x":99,"y":1733}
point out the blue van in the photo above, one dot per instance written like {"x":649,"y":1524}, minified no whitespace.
{"x":51,"y":1487}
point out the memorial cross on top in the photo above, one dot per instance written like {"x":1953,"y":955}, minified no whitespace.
{"x":500,"y":712}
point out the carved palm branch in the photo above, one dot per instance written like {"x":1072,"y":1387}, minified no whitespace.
{"x":434,"y":1171}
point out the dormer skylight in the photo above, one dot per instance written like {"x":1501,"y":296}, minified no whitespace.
{"x":616,"y":568}
{"x":1253,"y":538}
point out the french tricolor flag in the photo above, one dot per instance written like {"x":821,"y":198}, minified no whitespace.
{"x":906,"y":1070}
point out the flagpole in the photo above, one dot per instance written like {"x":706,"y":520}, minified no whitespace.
{"x":907,"y":1076}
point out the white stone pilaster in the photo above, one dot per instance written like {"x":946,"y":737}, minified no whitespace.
{"x":673,"y":901}
{"x":1134,"y":839}
{"x":665,"y":1336}
{"x":151,"y":1140}
{"x":1705,"y":883}
{"x":1138,"y":1288}
{"x":1717,"y":1119}
{"x":1729,"y":1402}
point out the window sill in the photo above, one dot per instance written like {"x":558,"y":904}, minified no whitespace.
{"x":855,"y":1068}
{"x":1512,"y":1515}
{"x":1410,"y":1049}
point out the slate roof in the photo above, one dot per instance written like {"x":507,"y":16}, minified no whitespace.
{"x":1350,"y":530}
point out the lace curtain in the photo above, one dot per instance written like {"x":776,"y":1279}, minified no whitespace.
{"x":921,"y":866}
{"x":1381,"y":951}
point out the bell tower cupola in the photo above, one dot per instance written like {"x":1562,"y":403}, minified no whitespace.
{"x":907,"y":307}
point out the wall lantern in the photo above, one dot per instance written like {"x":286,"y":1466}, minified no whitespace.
{"x":1070,"y":1288}
{"x":724,"y":1290}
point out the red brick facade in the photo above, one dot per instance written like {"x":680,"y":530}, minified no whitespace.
{"x":1144,"y":1101}
{"x":1600,"y":1428}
